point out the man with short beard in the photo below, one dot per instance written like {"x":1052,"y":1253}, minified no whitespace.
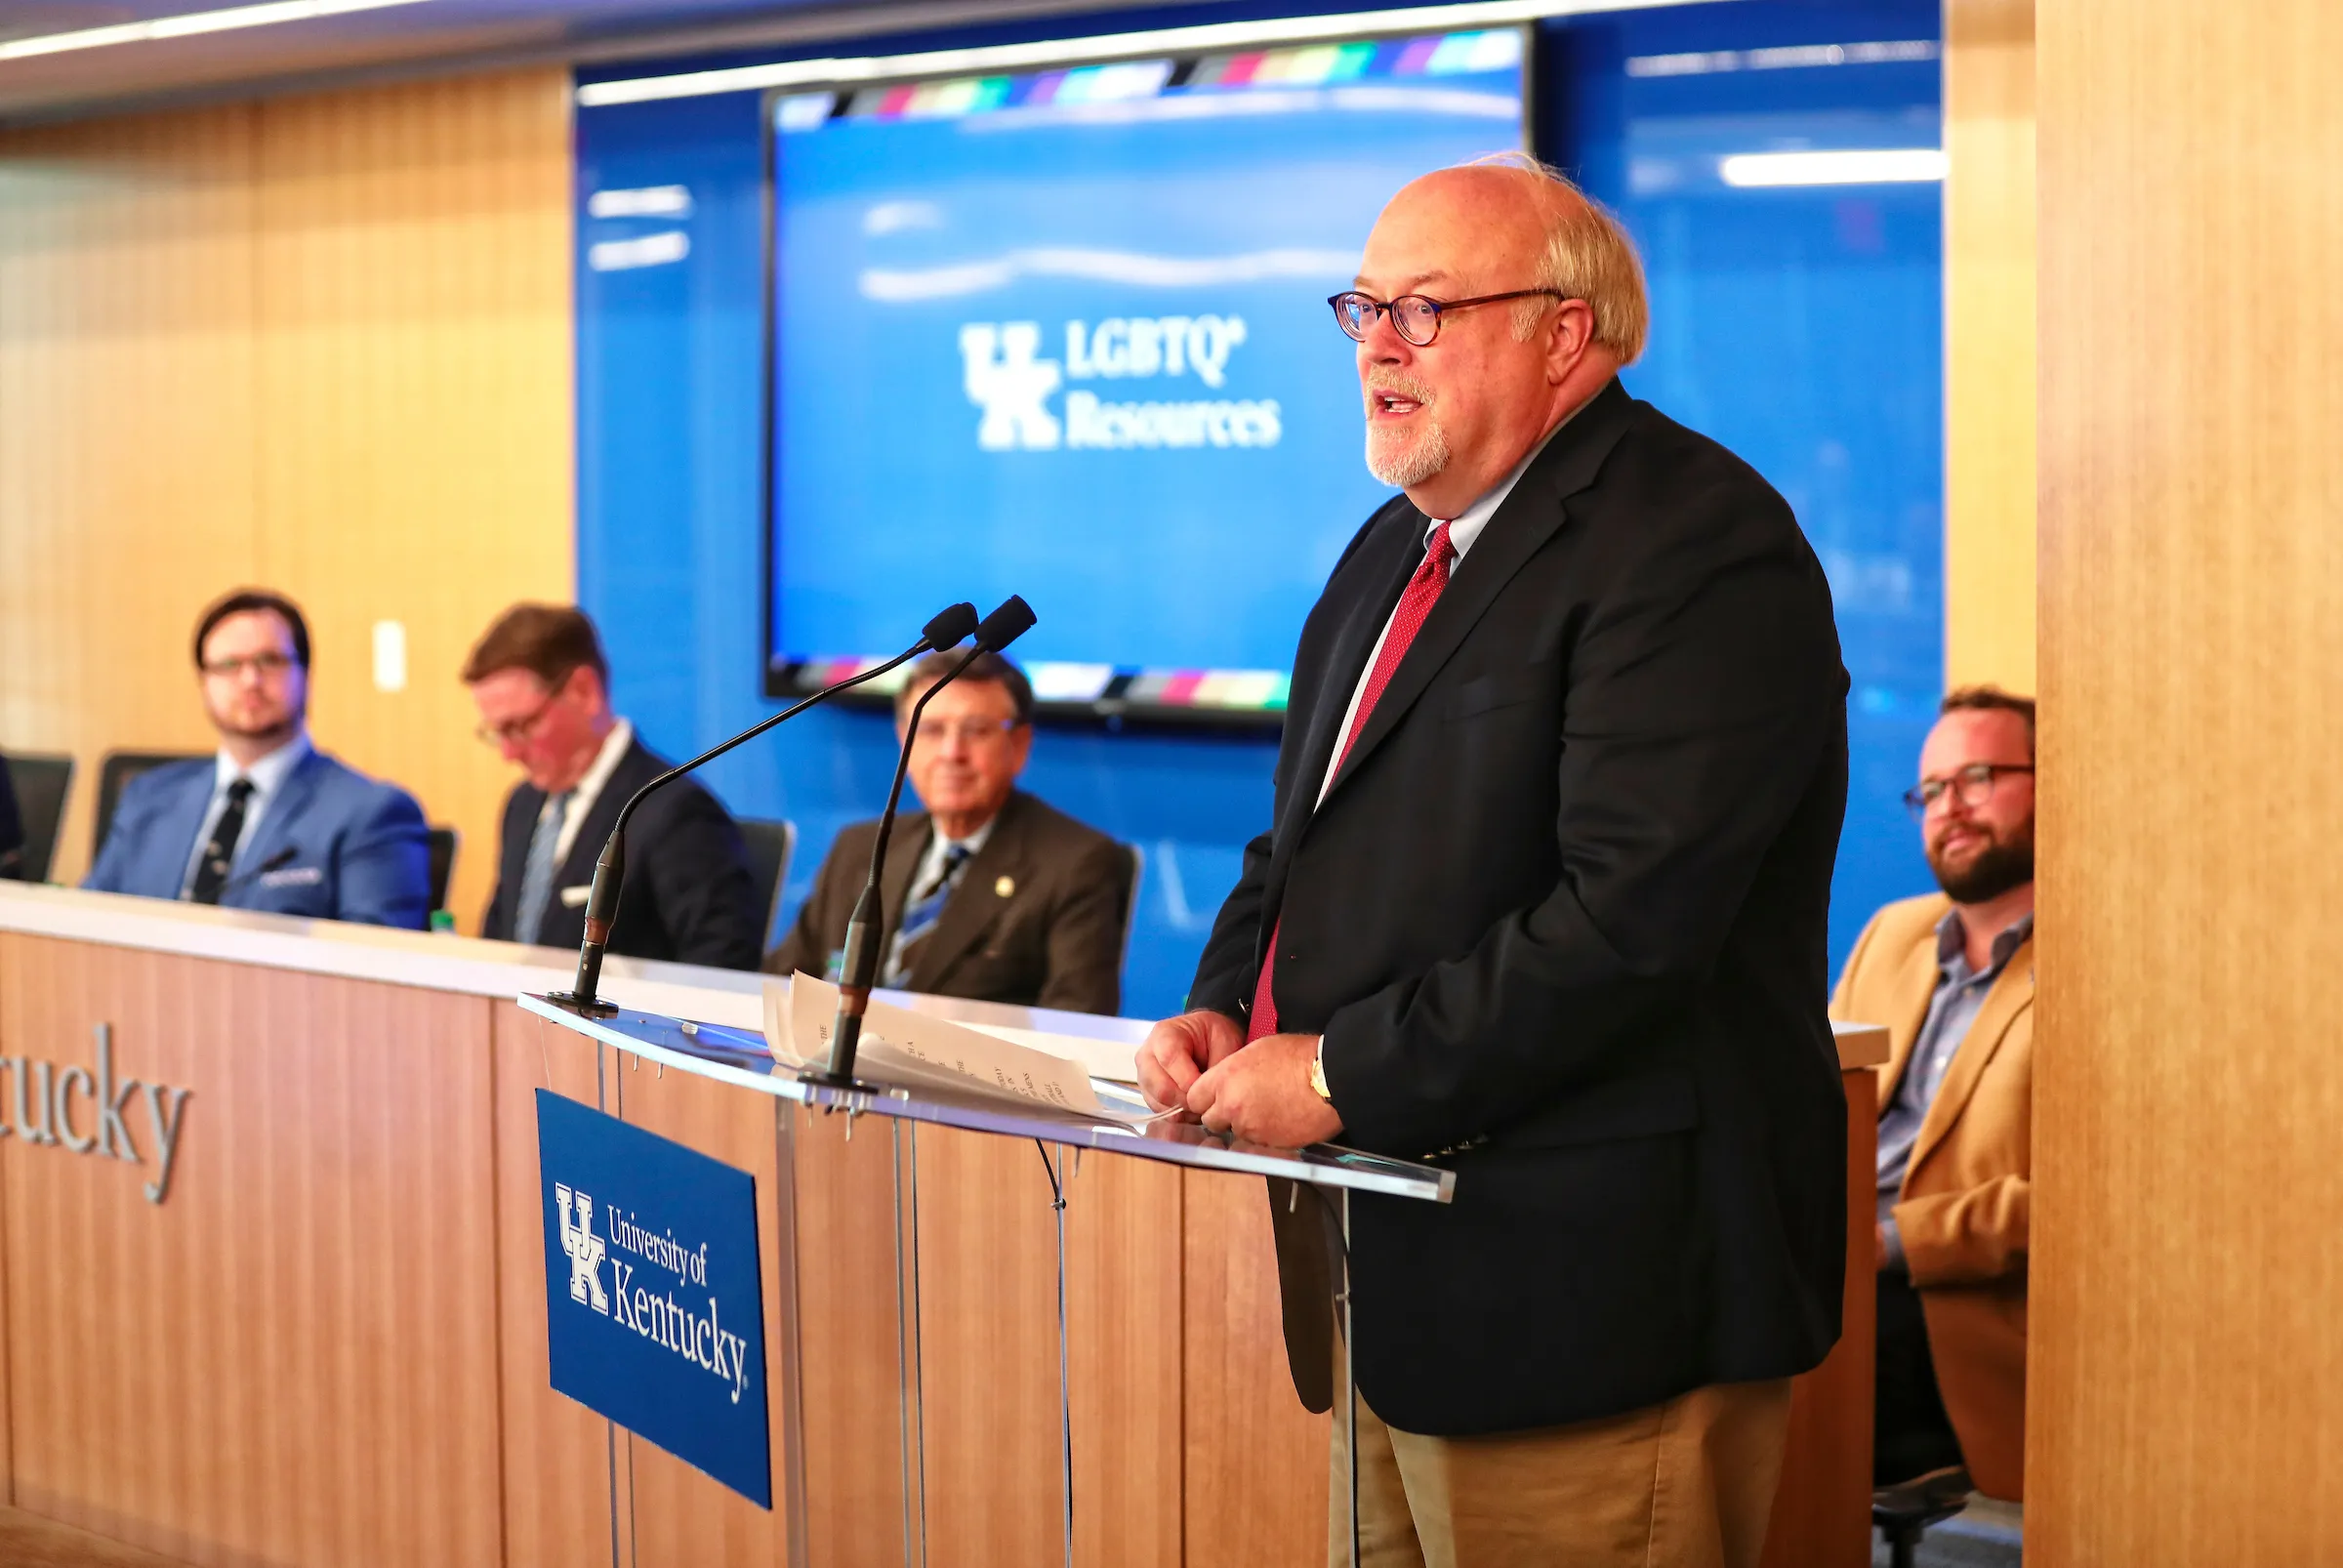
{"x":1543,"y":898}
{"x":1951,"y":975}
{"x":271,"y":822}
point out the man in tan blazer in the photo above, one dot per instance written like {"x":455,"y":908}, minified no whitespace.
{"x":990,"y":892}
{"x":1951,"y":975}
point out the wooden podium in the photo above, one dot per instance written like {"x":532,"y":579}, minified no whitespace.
{"x":326,"y":1343}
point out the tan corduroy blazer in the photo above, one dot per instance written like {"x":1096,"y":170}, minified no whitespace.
{"x":1968,"y":1190}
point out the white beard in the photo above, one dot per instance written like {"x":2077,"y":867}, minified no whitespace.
{"x":1401,"y":466}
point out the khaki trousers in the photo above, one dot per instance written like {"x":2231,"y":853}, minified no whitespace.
{"x":1685,"y":1484}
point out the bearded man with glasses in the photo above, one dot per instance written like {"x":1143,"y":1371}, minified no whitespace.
{"x":1544,"y":896}
{"x":1951,"y":975}
{"x":271,"y":822}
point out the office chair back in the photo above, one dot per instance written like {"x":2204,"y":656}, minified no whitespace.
{"x":770,"y":844}
{"x":445,"y":841}
{"x":1131,"y":906}
{"x":39,"y":784}
{"x":115,"y":770}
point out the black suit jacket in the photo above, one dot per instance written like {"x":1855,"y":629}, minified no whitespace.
{"x":1561,"y":921}
{"x":1035,"y":920}
{"x":689,"y":896}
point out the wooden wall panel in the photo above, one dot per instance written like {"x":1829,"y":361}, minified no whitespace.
{"x":849,"y":1337}
{"x":293,"y":1358}
{"x":415,"y":406}
{"x":320,"y":343}
{"x":1990,"y":343}
{"x":1823,"y":1513}
{"x":2185,"y":1377}
{"x":988,"y":1349}
{"x":127,"y":363}
{"x":1256,"y":1466}
{"x":556,"y":1453}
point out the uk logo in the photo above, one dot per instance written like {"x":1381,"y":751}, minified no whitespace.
{"x":585,"y":1249}
{"x":1006,"y":380}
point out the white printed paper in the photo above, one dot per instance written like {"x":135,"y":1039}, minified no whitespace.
{"x":901,"y":1046}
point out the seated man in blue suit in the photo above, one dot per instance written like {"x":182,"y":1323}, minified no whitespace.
{"x":271,"y":823}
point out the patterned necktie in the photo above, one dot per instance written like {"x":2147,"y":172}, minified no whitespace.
{"x":1406,"y":619}
{"x":920,"y":915}
{"x":537,"y":876}
{"x":219,"y":850}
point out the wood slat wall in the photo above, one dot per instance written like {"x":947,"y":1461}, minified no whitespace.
{"x":1989,"y":343}
{"x":2186,"y":1381}
{"x":319,"y":343}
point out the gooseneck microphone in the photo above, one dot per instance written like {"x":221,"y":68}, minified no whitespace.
{"x":946,"y":630}
{"x":860,"y":964}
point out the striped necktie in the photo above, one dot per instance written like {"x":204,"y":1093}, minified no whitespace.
{"x":922,"y":913}
{"x":537,"y":879}
{"x":1406,"y":619}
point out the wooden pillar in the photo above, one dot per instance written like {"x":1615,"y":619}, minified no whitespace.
{"x":2187,"y":1372}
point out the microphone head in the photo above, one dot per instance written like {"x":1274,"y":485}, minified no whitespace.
{"x":1011,"y":620}
{"x":952,"y":626}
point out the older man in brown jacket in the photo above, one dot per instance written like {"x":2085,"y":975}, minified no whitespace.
{"x":1951,"y":975}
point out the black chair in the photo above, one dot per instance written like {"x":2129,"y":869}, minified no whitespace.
{"x":770,"y":845}
{"x":1131,"y":906}
{"x":1904,"y":1511}
{"x":39,"y":784}
{"x":445,"y":841}
{"x":115,"y":770}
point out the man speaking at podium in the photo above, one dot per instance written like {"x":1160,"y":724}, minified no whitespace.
{"x":1543,"y":900}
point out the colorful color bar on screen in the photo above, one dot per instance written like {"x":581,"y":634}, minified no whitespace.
{"x":1306,"y":65}
{"x":1225,"y":690}
{"x":815,"y":674}
{"x":1331,"y":64}
{"x":1069,"y":682}
{"x":975,"y":94}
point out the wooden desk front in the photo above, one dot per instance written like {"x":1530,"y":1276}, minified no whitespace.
{"x":326,"y":1345}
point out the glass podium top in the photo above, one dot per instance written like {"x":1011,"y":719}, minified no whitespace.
{"x":739,"y":1057}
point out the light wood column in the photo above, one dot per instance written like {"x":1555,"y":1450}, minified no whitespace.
{"x":2186,"y":1377}
{"x":1990,"y":343}
{"x":127,"y":368}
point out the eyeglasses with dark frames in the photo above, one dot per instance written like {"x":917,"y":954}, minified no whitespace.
{"x":266,"y":664}
{"x":1972,"y":785}
{"x":1415,"y":316}
{"x":517,"y":731}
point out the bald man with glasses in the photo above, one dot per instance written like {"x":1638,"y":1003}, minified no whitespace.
{"x":1951,"y":975}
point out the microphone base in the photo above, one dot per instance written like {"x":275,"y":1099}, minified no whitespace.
{"x":843,"y":1082}
{"x":594,"y":1007}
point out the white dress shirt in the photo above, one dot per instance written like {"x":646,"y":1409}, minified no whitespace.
{"x":1463,"y":531}
{"x":586,"y":790}
{"x":267,"y":775}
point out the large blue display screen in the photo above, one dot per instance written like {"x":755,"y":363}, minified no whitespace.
{"x":1064,"y":335}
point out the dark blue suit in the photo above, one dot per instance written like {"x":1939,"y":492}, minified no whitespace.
{"x":357,"y":846}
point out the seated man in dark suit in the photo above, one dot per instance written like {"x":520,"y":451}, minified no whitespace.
{"x":989,"y":893}
{"x":271,"y":823}
{"x":543,"y":688}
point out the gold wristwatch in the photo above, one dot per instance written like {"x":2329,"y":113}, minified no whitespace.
{"x":1318,"y":1073}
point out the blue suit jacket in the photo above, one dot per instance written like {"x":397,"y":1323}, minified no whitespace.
{"x":358,"y":850}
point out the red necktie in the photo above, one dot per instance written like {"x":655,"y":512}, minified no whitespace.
{"x":1406,"y":619}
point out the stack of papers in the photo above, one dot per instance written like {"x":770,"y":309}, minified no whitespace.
{"x":914,"y":1051}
